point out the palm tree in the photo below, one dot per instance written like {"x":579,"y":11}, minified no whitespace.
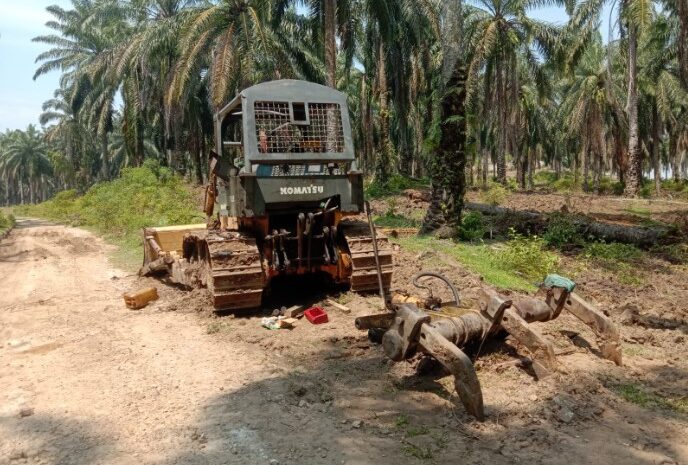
{"x":499,"y":35}
{"x":81,"y":36}
{"x":590,"y":105}
{"x":26,"y":157}
{"x":663,"y":98}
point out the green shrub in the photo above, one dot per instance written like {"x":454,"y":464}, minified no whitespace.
{"x":6,"y":221}
{"x":495,"y":194}
{"x":562,"y":230}
{"x":472,"y":227}
{"x":565,"y":183}
{"x":544,"y":177}
{"x":527,"y":256}
{"x":675,"y":186}
{"x":647,"y":190}
{"x":610,"y":187}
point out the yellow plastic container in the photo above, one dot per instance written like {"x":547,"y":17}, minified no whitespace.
{"x":140,"y":298}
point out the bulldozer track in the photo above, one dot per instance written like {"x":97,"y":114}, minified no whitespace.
{"x":363,"y":268}
{"x":235,"y":273}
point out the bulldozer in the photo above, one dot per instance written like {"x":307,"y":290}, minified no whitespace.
{"x":283,"y":198}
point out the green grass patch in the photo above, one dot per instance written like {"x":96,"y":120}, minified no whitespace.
{"x":639,"y":211}
{"x":391,"y":219}
{"x":485,"y":260}
{"x":396,"y":184}
{"x":118,"y":210}
{"x":621,"y":259}
{"x":639,"y":396}
{"x":419,"y":452}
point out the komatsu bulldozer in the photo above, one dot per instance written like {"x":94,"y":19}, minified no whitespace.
{"x":282,"y":181}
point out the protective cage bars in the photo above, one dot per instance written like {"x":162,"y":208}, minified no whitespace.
{"x":292,"y":127}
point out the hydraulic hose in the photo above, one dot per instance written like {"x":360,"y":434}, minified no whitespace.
{"x":415,"y":281}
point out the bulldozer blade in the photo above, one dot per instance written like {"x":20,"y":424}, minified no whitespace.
{"x":458,"y":364}
{"x":597,"y":321}
{"x":544,"y":360}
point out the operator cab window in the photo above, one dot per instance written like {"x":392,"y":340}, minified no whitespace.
{"x":299,"y":113}
{"x":298,"y":127}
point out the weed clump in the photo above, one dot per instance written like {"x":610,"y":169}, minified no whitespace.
{"x":563,"y":230}
{"x":6,"y":222}
{"x":636,"y":395}
{"x":495,"y":194}
{"x":472,"y":227}
{"x":618,"y":258}
{"x":528,"y":256}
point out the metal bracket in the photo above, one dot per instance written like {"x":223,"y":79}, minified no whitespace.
{"x":401,"y":339}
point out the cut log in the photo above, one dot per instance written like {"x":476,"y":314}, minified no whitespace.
{"x":530,"y":222}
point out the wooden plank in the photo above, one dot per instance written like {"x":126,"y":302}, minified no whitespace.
{"x":338,"y":306}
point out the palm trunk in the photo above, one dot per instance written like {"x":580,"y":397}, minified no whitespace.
{"x":486,"y":166}
{"x":501,"y":144}
{"x":330,"y":13}
{"x":382,"y":163}
{"x":197,"y":154}
{"x":682,"y":40}
{"x":634,"y":177}
{"x":656,"y":136}
{"x":448,"y":173}
{"x":674,"y":155}
{"x":105,"y":166}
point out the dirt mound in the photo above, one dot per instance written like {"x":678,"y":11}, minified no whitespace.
{"x":78,"y":245}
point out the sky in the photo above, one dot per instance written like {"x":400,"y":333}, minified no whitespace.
{"x":20,"y":20}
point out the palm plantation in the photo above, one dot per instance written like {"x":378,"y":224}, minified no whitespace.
{"x":483,"y":88}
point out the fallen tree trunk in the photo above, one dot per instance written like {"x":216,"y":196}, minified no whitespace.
{"x":530,"y":222}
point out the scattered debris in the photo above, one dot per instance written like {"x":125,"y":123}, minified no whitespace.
{"x":356,"y":424}
{"x":338,"y":306}
{"x":278,"y":322}
{"x":629,"y":315}
{"x":139,"y":299}
{"x":565,"y":415}
{"x":295,"y":311}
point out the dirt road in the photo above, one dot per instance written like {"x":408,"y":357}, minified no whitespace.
{"x":86,"y":381}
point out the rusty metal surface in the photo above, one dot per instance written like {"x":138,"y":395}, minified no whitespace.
{"x":598,"y":322}
{"x":458,"y":364}
{"x":382,"y":320}
{"x":401,"y":339}
{"x":541,"y":349}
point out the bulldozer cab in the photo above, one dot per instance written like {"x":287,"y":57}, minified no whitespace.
{"x":285,"y":143}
